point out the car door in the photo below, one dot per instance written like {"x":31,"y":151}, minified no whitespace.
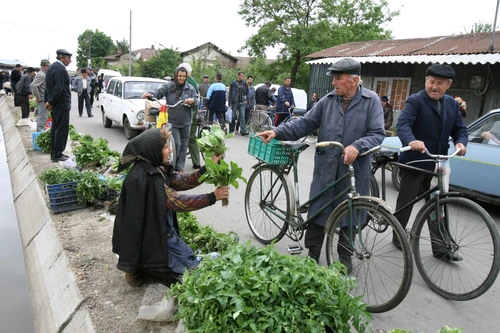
{"x":118,"y":102}
{"x":107,"y":100}
{"x":478,"y":170}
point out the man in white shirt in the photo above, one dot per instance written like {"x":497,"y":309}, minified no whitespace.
{"x":82,"y":86}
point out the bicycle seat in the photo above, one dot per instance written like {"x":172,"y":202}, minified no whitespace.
{"x":385,"y":154}
{"x":294,"y":144}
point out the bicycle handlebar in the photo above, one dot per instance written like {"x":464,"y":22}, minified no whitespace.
{"x":341,"y":146}
{"x":154,"y":99}
{"x":433,"y":156}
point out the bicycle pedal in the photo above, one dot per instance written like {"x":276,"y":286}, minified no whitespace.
{"x":294,"y":249}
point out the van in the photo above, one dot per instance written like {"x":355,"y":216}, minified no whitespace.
{"x":299,"y":96}
{"x":106,"y":75}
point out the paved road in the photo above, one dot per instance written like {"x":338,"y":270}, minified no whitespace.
{"x":421,"y":311}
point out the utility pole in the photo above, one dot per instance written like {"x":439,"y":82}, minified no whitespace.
{"x":492,"y":44}
{"x":130,"y":47}
{"x":89,"y":60}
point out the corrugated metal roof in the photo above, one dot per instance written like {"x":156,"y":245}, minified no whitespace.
{"x":473,"y":59}
{"x":471,"y":44}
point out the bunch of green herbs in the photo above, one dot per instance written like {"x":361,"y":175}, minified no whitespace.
{"x":43,"y":141}
{"x":213,"y":141}
{"x":250,"y":289}
{"x":222,"y":174}
{"x":93,"y":152}
{"x":60,"y":176}
{"x":73,"y":134}
{"x":90,"y":188}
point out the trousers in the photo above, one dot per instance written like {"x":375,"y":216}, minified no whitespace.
{"x":59,"y":132}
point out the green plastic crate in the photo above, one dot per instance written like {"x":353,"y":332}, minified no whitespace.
{"x":271,"y":153}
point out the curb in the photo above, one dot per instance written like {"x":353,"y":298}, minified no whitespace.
{"x":56,"y":301}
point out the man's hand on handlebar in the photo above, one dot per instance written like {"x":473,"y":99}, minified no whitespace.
{"x":350,"y":154}
{"x":417,"y":145}
{"x":267,"y":136}
{"x":462,"y":148}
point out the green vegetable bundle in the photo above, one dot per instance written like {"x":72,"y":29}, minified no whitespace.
{"x":60,"y":176}
{"x":213,"y":141}
{"x":222,"y":174}
{"x":93,"y":151}
{"x":43,"y":141}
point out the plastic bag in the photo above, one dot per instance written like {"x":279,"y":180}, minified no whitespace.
{"x":162,"y":311}
{"x":446,"y":176}
{"x":229,"y":115}
{"x":162,"y":117}
{"x":70,"y":163}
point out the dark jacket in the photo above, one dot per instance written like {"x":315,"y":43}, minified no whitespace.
{"x":15,"y":76}
{"x":263,"y":95}
{"x":139,"y":234}
{"x":57,"y":86}
{"x":421,"y":120}
{"x":284,"y":95}
{"x":24,"y":85}
{"x":233,"y":92}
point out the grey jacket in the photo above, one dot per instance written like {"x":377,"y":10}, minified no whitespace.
{"x":78,"y":84}
{"x":24,"y":85}
{"x":179,"y":116}
{"x":362,"y":126}
{"x":38,"y":85}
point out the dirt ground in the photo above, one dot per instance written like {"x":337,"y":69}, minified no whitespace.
{"x":86,"y":237}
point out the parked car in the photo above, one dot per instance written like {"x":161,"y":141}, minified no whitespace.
{"x":122,"y":102}
{"x":477,"y":173}
{"x":107,"y":74}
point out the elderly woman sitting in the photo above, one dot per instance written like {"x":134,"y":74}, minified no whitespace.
{"x":146,"y":235}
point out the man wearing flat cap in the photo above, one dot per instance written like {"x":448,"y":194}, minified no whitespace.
{"x":353,"y":116}
{"x":428,"y":120}
{"x":58,"y":101}
{"x":38,"y":90}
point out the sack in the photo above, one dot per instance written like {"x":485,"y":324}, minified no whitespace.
{"x":155,"y":105}
{"x":229,"y":115}
{"x":162,"y":117}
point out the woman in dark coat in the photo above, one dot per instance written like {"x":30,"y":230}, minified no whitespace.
{"x":146,"y":233}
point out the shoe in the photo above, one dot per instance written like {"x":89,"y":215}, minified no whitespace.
{"x":61,"y":158}
{"x":134,"y":280}
{"x":196,"y":166}
{"x":80,"y":115}
{"x":448,"y":256}
{"x":314,"y":255}
{"x":347,"y":262}
{"x":244,"y":134}
{"x":91,"y":116}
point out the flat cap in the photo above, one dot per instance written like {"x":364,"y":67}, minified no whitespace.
{"x":344,"y":66}
{"x":205,"y":76}
{"x":441,"y":71}
{"x":63,"y":52}
{"x":44,"y":62}
{"x":31,"y":70}
{"x":83,"y":71}
{"x":384,"y":99}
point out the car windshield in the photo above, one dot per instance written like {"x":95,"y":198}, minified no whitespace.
{"x":135,"y":89}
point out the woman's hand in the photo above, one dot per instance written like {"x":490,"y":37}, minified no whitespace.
{"x":189,"y":101}
{"x":221,"y":192}
{"x":146,"y":95}
{"x":216,"y":158}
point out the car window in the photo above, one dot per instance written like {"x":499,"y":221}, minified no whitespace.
{"x":486,"y":132}
{"x":135,"y":89}
{"x":118,"y":89}
{"x":111,"y":87}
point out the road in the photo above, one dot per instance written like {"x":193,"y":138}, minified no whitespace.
{"x":421,"y":311}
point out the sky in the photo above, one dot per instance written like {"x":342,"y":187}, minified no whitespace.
{"x":187,"y":24}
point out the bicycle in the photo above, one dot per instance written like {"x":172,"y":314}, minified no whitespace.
{"x":273,"y":210}
{"x":464,"y":229}
{"x":260,"y":120}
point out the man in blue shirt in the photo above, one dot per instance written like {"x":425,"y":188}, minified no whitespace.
{"x":285,"y":101}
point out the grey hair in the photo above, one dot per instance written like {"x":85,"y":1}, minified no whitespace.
{"x":187,"y":66}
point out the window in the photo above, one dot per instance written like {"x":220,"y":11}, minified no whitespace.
{"x":397,"y":89}
{"x":487,"y":132}
{"x":118,"y":89}
{"x":111,"y":87}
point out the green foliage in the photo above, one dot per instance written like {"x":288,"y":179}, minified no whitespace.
{"x":90,"y":188}
{"x":213,"y":141}
{"x":73,"y":134}
{"x":479,"y":27}
{"x":93,"y":151}
{"x":43,"y":141}
{"x":221,"y":174}
{"x":60,"y":176}
{"x":204,"y":238}
{"x":33,"y":103}
{"x":95,"y":43}
{"x":114,"y":183}
{"x":302,"y":27}
{"x":121,"y":46}
{"x":161,"y":65}
{"x":249,"y":289}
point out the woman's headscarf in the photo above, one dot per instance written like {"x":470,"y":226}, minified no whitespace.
{"x":176,"y":87}
{"x":147,"y":146}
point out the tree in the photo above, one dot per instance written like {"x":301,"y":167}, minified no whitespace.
{"x":161,"y":65}
{"x":93,"y":44}
{"x":478,"y":27}
{"x":301,"y":27}
{"x":121,"y":46}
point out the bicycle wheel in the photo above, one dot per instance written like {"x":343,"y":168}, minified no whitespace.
{"x":267,"y":204}
{"x":468,"y":231}
{"x":259,"y":122}
{"x":383,"y":272}
{"x":374,"y":189}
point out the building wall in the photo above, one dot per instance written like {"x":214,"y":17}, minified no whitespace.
{"x":210,"y":55}
{"x":478,"y":101}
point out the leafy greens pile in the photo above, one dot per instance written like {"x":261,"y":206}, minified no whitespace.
{"x":222,"y":174}
{"x":213,"y":141}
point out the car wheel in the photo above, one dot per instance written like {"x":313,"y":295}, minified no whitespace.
{"x":130,"y":133}
{"x":106,"y":122}
{"x":396,"y":176}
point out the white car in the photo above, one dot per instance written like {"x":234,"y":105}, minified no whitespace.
{"x":122,"y":103}
{"x":107,"y":74}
